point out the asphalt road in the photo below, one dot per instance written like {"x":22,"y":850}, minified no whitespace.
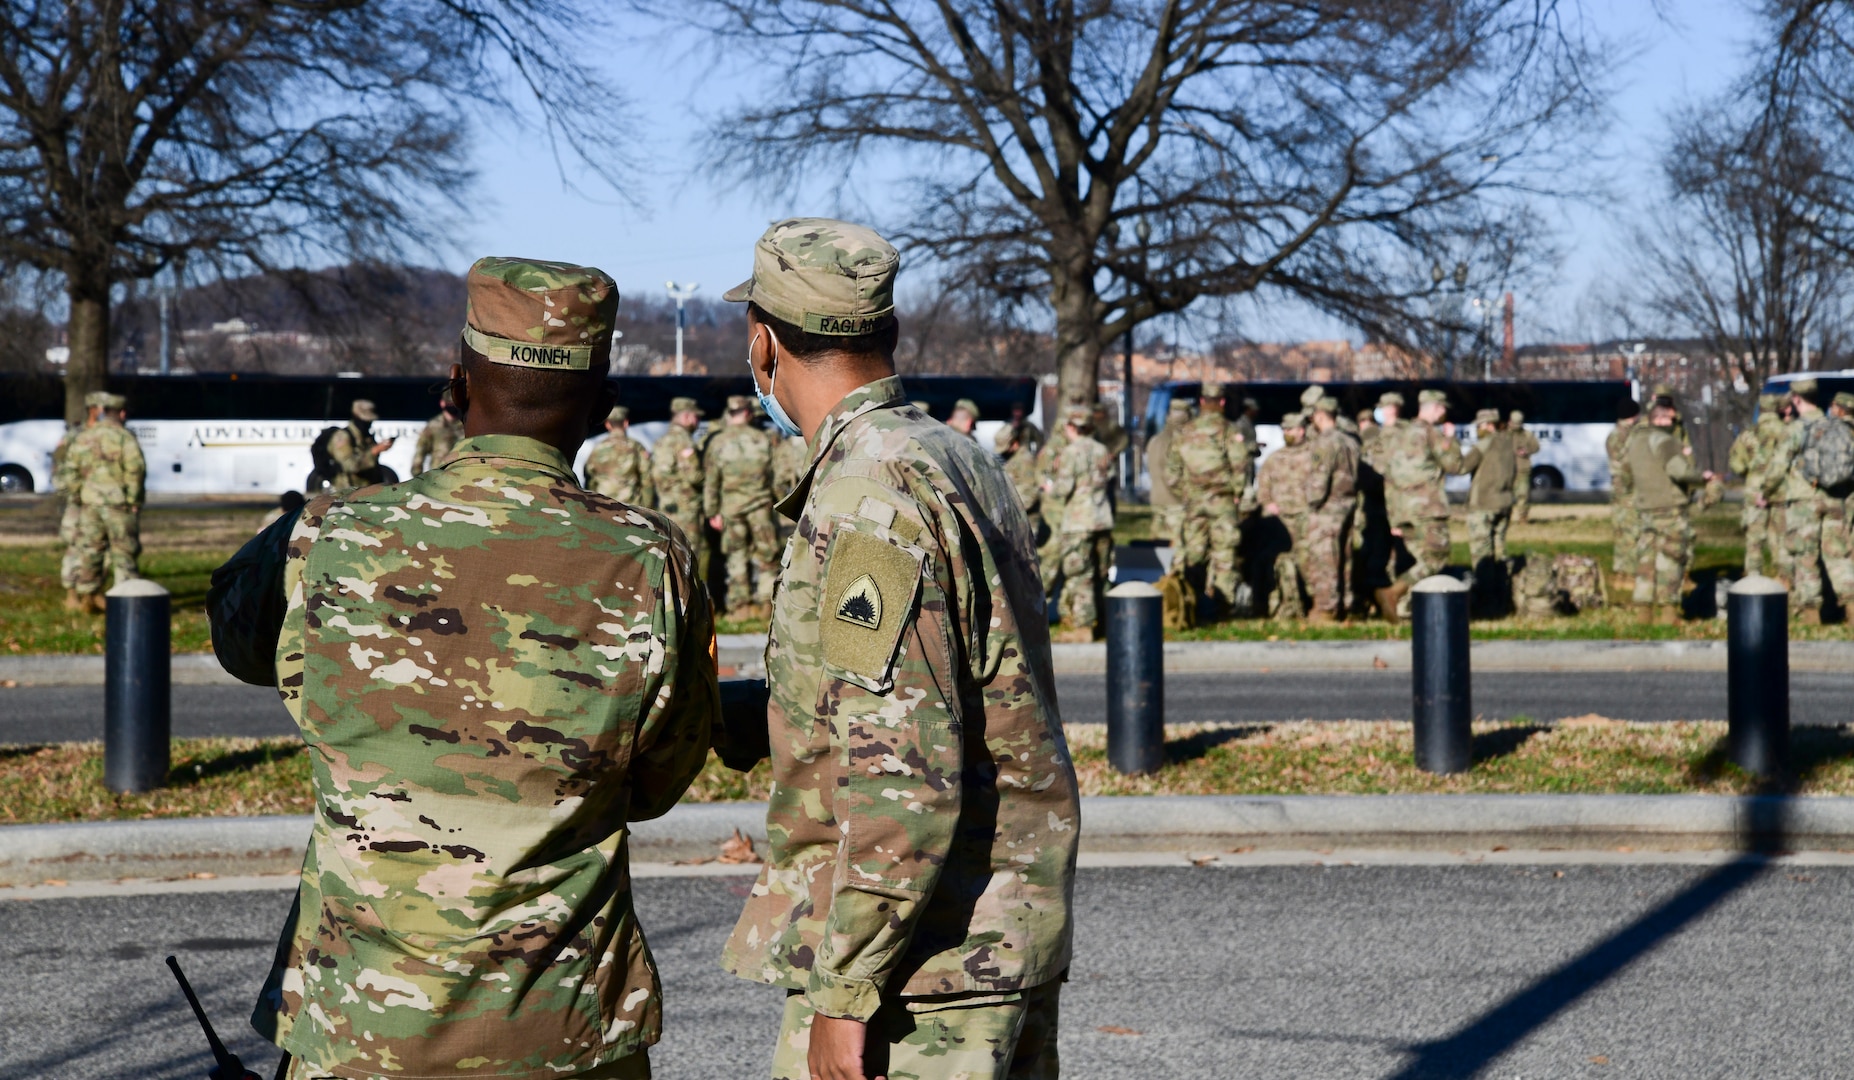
{"x":31,"y":714}
{"x":1382,"y":972}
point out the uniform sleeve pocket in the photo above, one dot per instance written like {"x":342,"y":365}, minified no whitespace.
{"x":871,"y":584}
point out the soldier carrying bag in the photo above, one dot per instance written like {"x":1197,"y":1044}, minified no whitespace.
{"x":1828,"y":457}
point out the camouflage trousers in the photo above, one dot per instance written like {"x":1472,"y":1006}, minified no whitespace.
{"x":1755,"y":520}
{"x":630,"y":1067}
{"x":1487,"y":535}
{"x":685,"y":509}
{"x":1427,"y":543}
{"x":111,"y":534}
{"x":1168,"y":523}
{"x":1049,"y":552}
{"x":750,"y":541}
{"x":1816,"y":538}
{"x":1522,"y":496}
{"x":970,"y":1036}
{"x":1083,"y":574}
{"x":67,"y":535}
{"x":1625,"y":521}
{"x":1323,"y":558}
{"x":1210,"y":536}
{"x":1838,"y":548}
{"x":1663,"y":555}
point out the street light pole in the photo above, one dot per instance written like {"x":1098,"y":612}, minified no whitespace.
{"x":1144,"y":231}
{"x":680,"y":294}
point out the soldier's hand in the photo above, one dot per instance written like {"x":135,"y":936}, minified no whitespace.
{"x":1448,"y":428}
{"x":1398,"y":533}
{"x":1271,"y":510}
{"x":715,"y":523}
{"x":383,"y":447}
{"x":837,"y":1049}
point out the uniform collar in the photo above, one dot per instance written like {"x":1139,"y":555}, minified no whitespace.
{"x":520,"y":448}
{"x":880,"y":394}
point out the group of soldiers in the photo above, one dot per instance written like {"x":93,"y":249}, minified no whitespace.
{"x":99,"y":467}
{"x":1332,"y":515}
{"x":1798,"y":465}
{"x":711,"y":480}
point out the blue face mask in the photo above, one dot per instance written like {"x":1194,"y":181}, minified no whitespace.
{"x":774,"y":411}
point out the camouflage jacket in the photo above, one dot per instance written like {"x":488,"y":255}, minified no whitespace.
{"x":676,"y":466}
{"x":1783,"y":478}
{"x":1026,"y":475}
{"x":1046,"y":459}
{"x":619,"y":468}
{"x":790,"y":455}
{"x":1745,"y":458}
{"x":108,"y":462}
{"x":1525,"y":443}
{"x":737,"y":472}
{"x":1206,"y":463}
{"x":495,"y":672}
{"x":1332,"y":473}
{"x":1285,"y":479}
{"x":1159,"y":493}
{"x":1081,"y":477}
{"x":1493,"y":462}
{"x":1414,"y":456}
{"x":1616,"y":445}
{"x":1660,"y":472}
{"x":923,"y":818}
{"x":352,"y":450}
{"x":435,"y":443}
{"x":1030,"y":435}
{"x":65,"y":477}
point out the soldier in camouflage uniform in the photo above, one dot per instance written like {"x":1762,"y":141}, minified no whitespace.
{"x":441,"y":433}
{"x":111,"y":487}
{"x":1081,"y":477}
{"x":737,"y":497}
{"x":1025,"y":473}
{"x":1525,"y":444}
{"x":1332,"y":500}
{"x":1814,"y":515}
{"x":1167,"y":505}
{"x":1282,"y":485}
{"x":1207,"y":463}
{"x":1415,"y":456}
{"x":1022,"y":429}
{"x":619,"y":466}
{"x":66,"y":481}
{"x":1492,"y":462}
{"x":1372,"y":538}
{"x":1749,"y":457}
{"x":1622,"y":519}
{"x":964,"y":418}
{"x":1658,"y":468}
{"x":356,"y":454}
{"x":1049,"y":555}
{"x":676,"y":470}
{"x":915,"y":903}
{"x":496,"y":672}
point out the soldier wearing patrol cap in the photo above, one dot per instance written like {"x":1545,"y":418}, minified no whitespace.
{"x":1415,"y":458}
{"x":355,"y":453}
{"x":1817,"y":462}
{"x":1332,"y":500}
{"x":441,"y":432}
{"x":1492,"y":462}
{"x":1207,"y":464}
{"x":1080,"y":478}
{"x":737,"y":499}
{"x":1749,"y":458}
{"x":1525,"y":445}
{"x":676,"y":469}
{"x":111,"y":476}
{"x":1658,"y":468}
{"x":916,"y":912}
{"x":619,"y":466}
{"x":965,"y":416}
{"x":496,"y":672}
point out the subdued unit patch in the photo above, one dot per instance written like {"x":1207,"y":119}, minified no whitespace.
{"x":869,"y":589}
{"x":862,"y":604}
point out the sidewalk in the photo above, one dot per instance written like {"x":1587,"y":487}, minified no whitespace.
{"x":1208,"y":824}
{"x":742,"y":656}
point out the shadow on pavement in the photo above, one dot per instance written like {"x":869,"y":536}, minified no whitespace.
{"x":1472,"y":1048}
{"x":1194,"y":746}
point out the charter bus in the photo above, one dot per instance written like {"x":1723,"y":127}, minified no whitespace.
{"x":249,"y":434}
{"x":1570,"y":418}
{"x":1831,"y":382}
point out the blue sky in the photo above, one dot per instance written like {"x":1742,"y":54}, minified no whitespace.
{"x":689,"y":228}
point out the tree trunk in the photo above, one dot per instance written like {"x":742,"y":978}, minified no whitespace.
{"x":87,"y":370}
{"x":1078,"y":334}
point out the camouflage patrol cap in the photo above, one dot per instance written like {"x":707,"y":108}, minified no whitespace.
{"x":362,"y":409}
{"x":1487,"y":416}
{"x":1769,"y":402}
{"x":536,"y":314}
{"x":1250,"y":403}
{"x":968,"y":405}
{"x":1432,"y":397}
{"x":1845,"y":401}
{"x":822,"y":276}
{"x":683,"y":405}
{"x":618,"y":415}
{"x":98,"y":399}
{"x":1390,"y":399}
{"x":1005,"y":437}
{"x":1515,"y":417}
{"x":1211,"y":390}
{"x":1310,"y":397}
{"x":1366,"y":416}
{"x":1294,"y":420}
{"x":1080,"y":415}
{"x":739,"y":403}
{"x":1805,"y":388}
{"x":1178,"y":405}
{"x":1327,"y":405}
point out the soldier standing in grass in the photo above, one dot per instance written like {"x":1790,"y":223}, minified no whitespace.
{"x":676,"y":470}
{"x":1332,"y":498}
{"x":1622,"y":519}
{"x":1207,"y":464}
{"x":111,"y":487}
{"x":1026,"y":475}
{"x":440,"y":434}
{"x":1081,"y":477}
{"x":619,"y":466}
{"x":1493,"y":463}
{"x":1818,"y":466}
{"x":1167,"y":505}
{"x":496,"y":672}
{"x":915,"y":903}
{"x":1749,"y":457}
{"x":66,"y":480}
{"x":1282,"y":485}
{"x":1525,"y":444}
{"x":1660,"y":472}
{"x":1417,"y":456}
{"x":354,"y":451}
{"x":737,"y":497}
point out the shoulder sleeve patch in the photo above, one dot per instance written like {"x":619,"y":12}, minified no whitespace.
{"x":870,"y":585}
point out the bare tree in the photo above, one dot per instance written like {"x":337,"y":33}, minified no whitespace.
{"x":1325,"y":153}
{"x":248,"y":134}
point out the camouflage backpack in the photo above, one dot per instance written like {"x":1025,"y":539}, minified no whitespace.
{"x":1536,"y":594}
{"x":1580,"y":580}
{"x":1828,"y":456}
{"x":1178,"y":601}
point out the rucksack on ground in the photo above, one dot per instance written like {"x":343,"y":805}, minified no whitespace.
{"x":1579,"y":581}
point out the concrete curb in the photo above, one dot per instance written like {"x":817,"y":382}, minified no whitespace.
{"x":742,"y":656}
{"x":267,"y":845}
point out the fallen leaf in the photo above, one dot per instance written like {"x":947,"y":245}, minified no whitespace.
{"x":1625,"y":849}
{"x":1116,"y":1029}
{"x":1499,"y":847}
{"x":1244,"y":850}
{"x":691,"y":862}
{"x":1599,"y":1060}
{"x":1378,"y":662}
{"x":56,"y":883}
{"x":737,"y":849}
{"x":1203,"y":860}
{"x":9,"y":683}
{"x":203,"y":875}
{"x":1264,"y":671}
{"x":1557,"y":873}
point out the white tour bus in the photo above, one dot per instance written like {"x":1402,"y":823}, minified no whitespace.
{"x":246,"y":434}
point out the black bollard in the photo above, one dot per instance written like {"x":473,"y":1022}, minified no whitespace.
{"x":1758,"y":676}
{"x":1135,"y":678}
{"x":1440,"y":678}
{"x":137,"y":706}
